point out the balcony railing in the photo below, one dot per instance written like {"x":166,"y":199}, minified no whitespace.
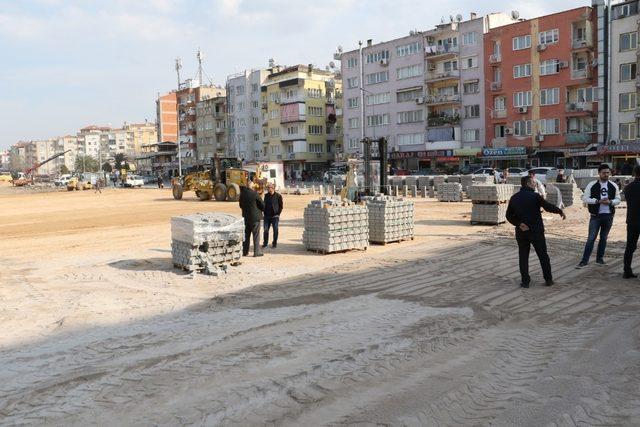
{"x":499,"y":114}
{"x":442,"y":99}
{"x":581,"y":43}
{"x":432,"y":51}
{"x":443,"y":120}
{"x":495,"y":58}
{"x":436,"y":76}
{"x":293,"y":118}
{"x":579,"y":107}
{"x":496,"y":86}
{"x":580,"y":74}
{"x":293,"y":137}
{"x":579,"y":138}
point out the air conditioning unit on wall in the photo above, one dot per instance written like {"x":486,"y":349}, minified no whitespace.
{"x":542,"y":47}
{"x":508,"y":131}
{"x":523,"y":110}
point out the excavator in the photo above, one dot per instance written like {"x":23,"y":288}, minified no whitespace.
{"x":222,"y":182}
{"x":22,"y":179}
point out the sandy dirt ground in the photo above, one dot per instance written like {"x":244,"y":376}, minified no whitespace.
{"x":98,"y":328}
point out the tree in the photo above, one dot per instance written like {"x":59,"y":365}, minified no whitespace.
{"x":106,"y":167}
{"x":86,"y":164}
{"x":64,"y":170}
{"x":120,"y":161}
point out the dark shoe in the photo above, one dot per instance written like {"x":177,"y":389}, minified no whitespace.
{"x":582,"y":264}
{"x":257,"y":255}
{"x":629,"y":275}
{"x":524,"y":285}
{"x":601,"y":262}
{"x":247,"y":254}
{"x":549,"y":283}
{"x":264,"y":246}
{"x":275,"y":245}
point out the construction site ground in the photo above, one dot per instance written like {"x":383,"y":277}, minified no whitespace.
{"x":99,"y":328}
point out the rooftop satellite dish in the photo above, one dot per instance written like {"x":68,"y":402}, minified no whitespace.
{"x":332,"y":64}
{"x":340,"y":49}
{"x":450,"y":18}
{"x":272,"y":62}
{"x":515,"y":14}
{"x":458,"y":17}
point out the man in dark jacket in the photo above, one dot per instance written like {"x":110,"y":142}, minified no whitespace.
{"x":272,"y":210}
{"x":524,"y":213}
{"x":252,"y":208}
{"x":601,"y":197}
{"x":632,"y":196}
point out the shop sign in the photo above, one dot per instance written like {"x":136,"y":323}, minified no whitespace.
{"x":504,"y":151}
{"x":467,"y":152}
{"x":446,"y":159}
{"x":618,"y":149}
{"x":396,"y":155}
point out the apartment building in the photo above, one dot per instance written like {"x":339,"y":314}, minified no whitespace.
{"x":542,"y":89}
{"x":167,"y":117}
{"x":302,"y":121}
{"x":245,"y":114}
{"x":4,"y":159}
{"x":624,"y":83}
{"x":93,"y":141}
{"x":158,"y":157}
{"x":211,"y":138}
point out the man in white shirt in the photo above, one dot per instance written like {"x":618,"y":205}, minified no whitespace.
{"x":539,"y":186}
{"x":601,"y":197}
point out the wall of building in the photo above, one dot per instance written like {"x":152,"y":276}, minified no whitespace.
{"x":167,"y":118}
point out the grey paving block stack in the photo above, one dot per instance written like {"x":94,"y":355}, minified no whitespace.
{"x":515,"y":180}
{"x":466,"y":181}
{"x":410,"y":181}
{"x":332,"y":225}
{"x":397,"y":181}
{"x":424,"y":181}
{"x":490,"y":179}
{"x":490,"y":202}
{"x":490,"y":193}
{"x":390,"y":219}
{"x":453,"y":178}
{"x":495,"y":213}
{"x":439,"y":179}
{"x":450,"y":192}
{"x":584,"y":176}
{"x":206,"y":242}
{"x":570,"y":193}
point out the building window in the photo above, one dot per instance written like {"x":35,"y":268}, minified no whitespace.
{"x":316,"y":148}
{"x":471,"y":88}
{"x":471,"y":135}
{"x":353,"y":82}
{"x":549,"y":126}
{"x":378,"y":98}
{"x":410,"y":139}
{"x":408,"y":49}
{"x":522,"y":99}
{"x":627,"y":131}
{"x":353,"y":143}
{"x":315,"y":130}
{"x":292,"y":130}
{"x":499,"y":103}
{"x":274,"y":114}
{"x":255,"y":104}
{"x":414,"y":116}
{"x":522,"y":42}
{"x":628,"y":101}
{"x":353,"y":102}
{"x":551,"y":66}
{"x":407,"y":72}
{"x":256,"y":137}
{"x":522,"y":128}
{"x":471,"y":111}
{"x":378,"y":120}
{"x":582,"y":125}
{"x":469,"y":38}
{"x":314,"y":93}
{"x":354,"y":123}
{"x":549,"y":37}
{"x":255,"y":120}
{"x":255,"y":87}
{"x":352,"y":62}
{"x":314,"y":111}
{"x":377,"y":56}
{"x":586,"y":94}
{"x":550,"y":96}
{"x":627,"y":72}
{"x":470,"y":62}
{"x":375,"y":78}
{"x":520,"y":71}
{"x":275,"y":132}
{"x":239,"y":90}
{"x":450,"y":66}
{"x":628,"y":41}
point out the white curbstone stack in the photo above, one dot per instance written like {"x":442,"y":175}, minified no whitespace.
{"x":390,"y":219}
{"x":490,"y":202}
{"x":332,"y":225}
{"x":450,"y":192}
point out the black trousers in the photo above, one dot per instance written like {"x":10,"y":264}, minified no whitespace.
{"x":540,"y":246}
{"x":270,"y":222}
{"x":633,"y":231}
{"x":251,"y":229}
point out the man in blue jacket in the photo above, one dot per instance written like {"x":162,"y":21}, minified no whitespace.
{"x":524,"y":213}
{"x":601,"y":197}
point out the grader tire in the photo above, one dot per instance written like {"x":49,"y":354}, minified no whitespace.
{"x":220,"y":192}
{"x":233,"y":193}
{"x":177,"y":191}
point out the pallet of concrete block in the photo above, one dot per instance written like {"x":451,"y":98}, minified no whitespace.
{"x":453,"y":178}
{"x":484,"y":179}
{"x":411,"y":181}
{"x":584,"y":176}
{"x":466,"y":181}
{"x":439,"y":179}
{"x":569,"y":193}
{"x":206,"y":242}
{"x":396,"y":181}
{"x":488,"y":213}
{"x":450,"y":192}
{"x":425,"y":181}
{"x":332,"y":225}
{"x":390,"y":219}
{"x":494,"y":193}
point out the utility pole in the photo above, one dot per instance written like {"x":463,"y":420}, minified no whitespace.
{"x":178,"y":68}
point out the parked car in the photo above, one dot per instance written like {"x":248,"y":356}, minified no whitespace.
{"x":150,"y":179}
{"x":517,"y":171}
{"x":541,"y":172}
{"x":328,"y":176}
{"x":488,"y":172}
{"x":62,"y":181}
{"x":134,"y":181}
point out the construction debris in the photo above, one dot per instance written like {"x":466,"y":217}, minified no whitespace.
{"x":450,"y":192}
{"x":333,"y":225}
{"x":390,"y":219}
{"x":206,"y":242}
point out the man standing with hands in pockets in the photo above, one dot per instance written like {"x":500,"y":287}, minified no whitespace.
{"x":272,"y":210}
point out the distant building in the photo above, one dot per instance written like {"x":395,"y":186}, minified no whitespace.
{"x":158,"y":157}
{"x":167,"y":117}
{"x":93,"y":141}
{"x":211,"y":138}
{"x":4,"y":159}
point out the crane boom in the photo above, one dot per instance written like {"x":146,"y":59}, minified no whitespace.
{"x":37,"y":165}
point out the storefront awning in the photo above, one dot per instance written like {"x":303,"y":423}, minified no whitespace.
{"x":516,"y":157}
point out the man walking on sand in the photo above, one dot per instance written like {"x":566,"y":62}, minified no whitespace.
{"x":98,"y":185}
{"x":252,"y":208}
{"x":601,"y":197}
{"x":632,"y":196}
{"x":272,"y":210}
{"x":524,"y":213}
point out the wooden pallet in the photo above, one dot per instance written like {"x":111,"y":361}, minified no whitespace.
{"x":487,"y":202}
{"x":392,"y":241}
{"x":487,"y":223}
{"x":321,"y":252}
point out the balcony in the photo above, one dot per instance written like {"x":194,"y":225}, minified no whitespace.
{"x":578,"y":108}
{"x":579,"y":138}
{"x":495,"y":58}
{"x":499,"y":114}
{"x":580,"y":74}
{"x":442,"y":99}
{"x":434,"y":51}
{"x":434,"y":76}
{"x":300,"y":136}
{"x":443,"y":120}
{"x":578,"y":44}
{"x":292,"y":100}
{"x":293,"y":118}
{"x":499,"y":142}
{"x":496,"y":86}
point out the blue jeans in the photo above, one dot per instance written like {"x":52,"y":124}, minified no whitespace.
{"x":273,"y":222}
{"x":599,"y":223}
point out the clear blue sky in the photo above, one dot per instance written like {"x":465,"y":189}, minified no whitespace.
{"x":67,"y":64}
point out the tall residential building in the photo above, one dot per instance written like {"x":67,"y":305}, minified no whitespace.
{"x":245,"y":114}
{"x":211,"y":136}
{"x":167,"y":117}
{"x":141,"y":134}
{"x":22,"y":155}
{"x":93,"y":141}
{"x":301,"y":118}
{"x":542,"y":79}
{"x":624,"y":84}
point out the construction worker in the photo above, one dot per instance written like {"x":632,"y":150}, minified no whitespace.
{"x":272,"y":210}
{"x":252,"y":208}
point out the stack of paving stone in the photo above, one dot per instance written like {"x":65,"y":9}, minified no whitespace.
{"x":569,"y":192}
{"x":466,"y":181}
{"x":439,"y":179}
{"x":332,"y":225}
{"x":489,"y":179}
{"x":390,"y":219}
{"x":489,"y":203}
{"x":206,"y":242}
{"x":425,"y":181}
{"x":411,"y":181}
{"x":397,"y":181}
{"x":453,"y":178}
{"x":584,"y":176}
{"x":450,"y":192}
